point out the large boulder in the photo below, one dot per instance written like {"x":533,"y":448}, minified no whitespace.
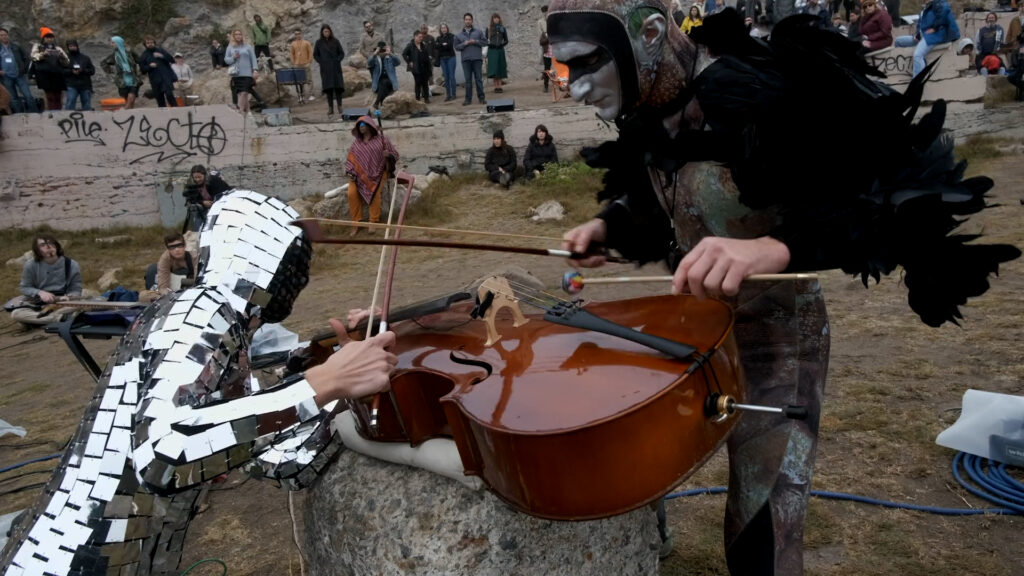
{"x":401,"y":104}
{"x":368,"y":517}
{"x":355,"y":79}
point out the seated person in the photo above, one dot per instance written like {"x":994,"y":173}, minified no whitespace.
{"x":47,"y":278}
{"x":989,"y":42}
{"x":540,"y":151}
{"x":875,"y":27}
{"x":201,"y":191}
{"x":176,"y":268}
{"x":500,"y":162}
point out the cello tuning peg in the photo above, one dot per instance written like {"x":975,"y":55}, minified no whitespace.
{"x":722,"y":406}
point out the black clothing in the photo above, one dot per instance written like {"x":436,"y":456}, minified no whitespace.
{"x":417,"y":60}
{"x":217,"y":56}
{"x":537,"y":154}
{"x":329,"y":54}
{"x":504,"y":157}
{"x":20,"y":58}
{"x":678,"y":16}
{"x":215,"y":187}
{"x":49,"y":71}
{"x":445,"y":46}
{"x":161,"y":77}
{"x":83,"y":80}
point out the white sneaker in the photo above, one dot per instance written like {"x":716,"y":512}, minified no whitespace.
{"x":311,"y":98}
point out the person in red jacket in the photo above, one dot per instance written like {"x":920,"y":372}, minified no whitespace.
{"x":875,"y":27}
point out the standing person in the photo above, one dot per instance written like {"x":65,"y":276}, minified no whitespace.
{"x":417,"y":58}
{"x":216,"y":54}
{"x":497,"y":39}
{"x":719,"y":216}
{"x":370,"y":158}
{"x":470,"y":43}
{"x":328,"y":54}
{"x":261,"y":40}
{"x":123,"y":65}
{"x":500,"y":161}
{"x":540,"y":151}
{"x":382,"y":72}
{"x":368,"y":41}
{"x":875,"y":27}
{"x":892,"y":7}
{"x":47,"y":278}
{"x":935,"y":26}
{"x":78,"y":77}
{"x":241,"y":60}
{"x":14,"y":73}
{"x":50,"y":61}
{"x":446,"y":57}
{"x":156,"y":62}
{"x":183,"y":87}
{"x":301,"y":52}
{"x":431,"y":45}
{"x":545,"y":47}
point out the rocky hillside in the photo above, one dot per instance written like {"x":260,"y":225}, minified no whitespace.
{"x":187,"y":26}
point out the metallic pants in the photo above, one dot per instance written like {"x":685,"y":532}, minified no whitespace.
{"x":782,"y":332}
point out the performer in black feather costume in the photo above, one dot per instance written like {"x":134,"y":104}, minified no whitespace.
{"x":722,"y":169}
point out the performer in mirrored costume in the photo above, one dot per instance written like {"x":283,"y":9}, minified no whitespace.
{"x":177,"y":406}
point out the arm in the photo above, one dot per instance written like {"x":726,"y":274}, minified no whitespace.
{"x":460,"y":43}
{"x":229,"y":55}
{"x":510,"y":166}
{"x":88,"y":69}
{"x":163,"y":273}
{"x":28,"y":280}
{"x":407,"y":53}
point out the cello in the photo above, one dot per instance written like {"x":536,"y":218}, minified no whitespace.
{"x":580,"y":412}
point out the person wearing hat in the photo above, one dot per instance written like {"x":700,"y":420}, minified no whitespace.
{"x":50,"y":61}
{"x":183,"y":87}
{"x":156,"y":62}
{"x":500,"y":162}
{"x":78,"y":77}
{"x":369,"y":164}
{"x":14,"y":74}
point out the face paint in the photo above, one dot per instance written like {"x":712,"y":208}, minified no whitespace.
{"x":593,"y":76}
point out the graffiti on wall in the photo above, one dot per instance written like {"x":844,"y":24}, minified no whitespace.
{"x":172,"y":140}
{"x":895,"y":64}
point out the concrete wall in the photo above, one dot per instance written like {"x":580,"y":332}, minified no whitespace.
{"x":77,"y":170}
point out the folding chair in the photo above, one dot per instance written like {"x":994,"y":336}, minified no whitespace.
{"x":559,"y":75}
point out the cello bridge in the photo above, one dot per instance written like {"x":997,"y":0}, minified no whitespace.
{"x":501,"y":296}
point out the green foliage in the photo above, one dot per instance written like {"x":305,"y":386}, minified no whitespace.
{"x":142,"y":17}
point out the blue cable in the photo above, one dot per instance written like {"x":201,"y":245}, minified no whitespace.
{"x":997,"y":486}
{"x":27,"y":462}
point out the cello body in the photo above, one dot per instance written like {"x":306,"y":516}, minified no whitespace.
{"x":563,"y":423}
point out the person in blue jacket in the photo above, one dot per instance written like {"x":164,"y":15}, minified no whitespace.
{"x":936,"y":25}
{"x":382,"y":69}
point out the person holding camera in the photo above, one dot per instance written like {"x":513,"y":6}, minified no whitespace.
{"x":49,"y":62}
{"x":78,"y":78}
{"x":382,"y":71}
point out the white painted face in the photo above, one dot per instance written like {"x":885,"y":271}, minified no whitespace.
{"x":599,"y":87}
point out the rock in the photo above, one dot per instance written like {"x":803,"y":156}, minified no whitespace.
{"x":420,"y":182}
{"x":19,"y":262}
{"x":364,"y":516}
{"x":119,"y":239}
{"x":355,"y":80}
{"x":431,"y":177}
{"x":303,"y":206}
{"x":336,"y":191}
{"x":332,"y":208}
{"x":356,"y":60}
{"x":108,"y":280}
{"x":550,"y":210}
{"x":401,"y":104}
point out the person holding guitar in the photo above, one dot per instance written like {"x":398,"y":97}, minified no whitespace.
{"x":47,"y":278}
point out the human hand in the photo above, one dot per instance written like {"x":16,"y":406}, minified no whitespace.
{"x":579,"y":239}
{"x":152,"y":64}
{"x":359,"y":369}
{"x":719,"y":265}
{"x":46,"y":297}
{"x":930,"y":31}
{"x":357,"y":315}
{"x":207,"y":203}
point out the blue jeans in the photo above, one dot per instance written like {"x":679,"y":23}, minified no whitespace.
{"x":26,"y":100}
{"x":920,"y":51}
{"x":75,"y":94}
{"x":473,"y":70}
{"x":448,"y":71}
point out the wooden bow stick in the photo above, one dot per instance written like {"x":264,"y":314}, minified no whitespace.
{"x":573,"y":282}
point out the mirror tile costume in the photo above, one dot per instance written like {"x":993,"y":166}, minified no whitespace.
{"x":177,"y":406}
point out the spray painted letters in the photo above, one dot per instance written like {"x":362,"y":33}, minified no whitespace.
{"x":186,"y":139}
